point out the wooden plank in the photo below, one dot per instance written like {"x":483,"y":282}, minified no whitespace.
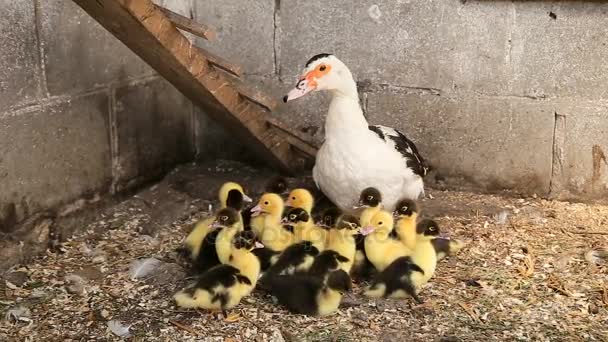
{"x":221,"y":63}
{"x":146,"y":30}
{"x":189,"y":25}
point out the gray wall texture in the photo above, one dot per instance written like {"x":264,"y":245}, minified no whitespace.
{"x":497,"y":94}
{"x":80,"y":114}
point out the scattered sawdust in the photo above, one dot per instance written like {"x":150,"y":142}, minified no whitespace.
{"x":520,"y":277}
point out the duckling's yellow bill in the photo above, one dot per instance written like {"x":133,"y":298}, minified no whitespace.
{"x":303,"y":87}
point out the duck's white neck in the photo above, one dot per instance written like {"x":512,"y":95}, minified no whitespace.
{"x":345,"y":114}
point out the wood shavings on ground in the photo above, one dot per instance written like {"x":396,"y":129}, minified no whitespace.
{"x":523,"y":275}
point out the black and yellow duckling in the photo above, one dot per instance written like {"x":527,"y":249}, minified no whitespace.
{"x":371,"y":202}
{"x":394,"y":281}
{"x":223,"y":286}
{"x":309,"y":295}
{"x":341,"y":239}
{"x":216,"y":245}
{"x":406,"y":275}
{"x":329,"y":217}
{"x":424,"y":254}
{"x":380,"y":248}
{"x":231,"y":195}
{"x":299,"y":256}
{"x":270,"y":209}
{"x":406,"y":214}
{"x":445,"y":246}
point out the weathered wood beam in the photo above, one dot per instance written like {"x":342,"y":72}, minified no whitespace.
{"x":189,"y":25}
{"x":146,"y":30}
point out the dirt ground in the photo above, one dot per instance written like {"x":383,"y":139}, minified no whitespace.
{"x":532,"y":269}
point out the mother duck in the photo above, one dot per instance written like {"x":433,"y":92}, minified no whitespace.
{"x":355,"y":155}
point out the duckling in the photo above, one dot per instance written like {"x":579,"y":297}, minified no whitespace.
{"x":304,"y":229}
{"x":304,"y":294}
{"x":394,"y":281}
{"x":223,"y":286}
{"x":424,"y":254}
{"x":341,"y":239}
{"x":230,"y":195}
{"x":274,"y":236}
{"x":444,"y":247}
{"x":216,"y":243}
{"x":406,"y":214}
{"x":297,"y":257}
{"x":329,"y":217}
{"x":380,"y":248}
{"x":277,"y":185}
{"x":371,"y":202}
{"x":300,"y":198}
{"x":230,"y":222}
{"x":406,"y":275}
{"x":325,"y":263}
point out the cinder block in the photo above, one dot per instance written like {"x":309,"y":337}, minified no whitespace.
{"x":79,"y":53}
{"x":561,"y":57}
{"x":585,"y":147}
{"x":19,"y":65}
{"x":439,"y":44}
{"x":52,"y":155}
{"x":496,"y":143}
{"x":245,"y":32}
{"x":154,"y":129}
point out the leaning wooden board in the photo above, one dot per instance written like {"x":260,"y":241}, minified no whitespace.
{"x":209,"y":81}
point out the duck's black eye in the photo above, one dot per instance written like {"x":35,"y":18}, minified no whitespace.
{"x":293,"y":198}
{"x":380,"y":223}
{"x":322,"y":67}
{"x":266,"y":203}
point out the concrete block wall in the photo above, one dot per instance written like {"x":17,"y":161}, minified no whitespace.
{"x":80,"y":114}
{"x":497,"y":94}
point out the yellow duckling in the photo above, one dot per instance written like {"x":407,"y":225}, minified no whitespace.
{"x":230,"y":195}
{"x":381,"y":249}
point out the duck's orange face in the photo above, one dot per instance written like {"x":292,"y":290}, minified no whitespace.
{"x":317,"y":71}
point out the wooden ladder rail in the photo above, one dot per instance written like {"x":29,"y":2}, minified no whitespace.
{"x":152,"y":33}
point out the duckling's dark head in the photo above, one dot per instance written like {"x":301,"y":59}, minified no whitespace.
{"x":370,"y":197}
{"x":297,"y":215}
{"x":348,"y":222}
{"x":428,"y":228}
{"x":226,"y":217}
{"x":245,"y":239}
{"x":330,"y":216}
{"x":406,"y":207}
{"x":235,"y":199}
{"x":339,"y":281}
{"x":278,"y":185}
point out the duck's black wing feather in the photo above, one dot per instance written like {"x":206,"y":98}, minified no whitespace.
{"x":405,"y":146}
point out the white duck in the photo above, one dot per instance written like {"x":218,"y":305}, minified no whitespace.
{"x":355,"y":155}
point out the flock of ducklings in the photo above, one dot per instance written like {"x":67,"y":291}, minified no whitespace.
{"x":307,"y":264}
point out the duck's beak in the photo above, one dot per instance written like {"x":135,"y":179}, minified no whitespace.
{"x":247,"y":198}
{"x":257,"y":210}
{"x":367,"y":230}
{"x":215,"y":225}
{"x":303,"y":87}
{"x":289,"y":203}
